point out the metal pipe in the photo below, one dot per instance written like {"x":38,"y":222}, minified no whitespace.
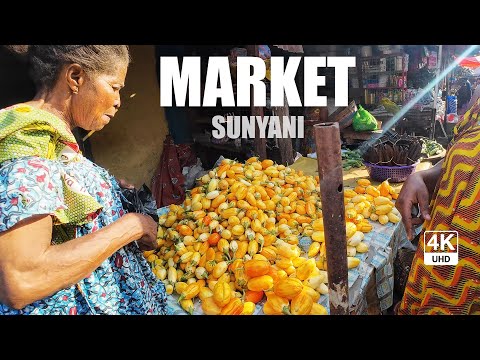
{"x":327,"y":140}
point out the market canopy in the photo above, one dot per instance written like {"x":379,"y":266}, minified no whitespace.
{"x":471,"y":62}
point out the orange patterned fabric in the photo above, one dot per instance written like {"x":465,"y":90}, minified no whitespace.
{"x":452,"y":289}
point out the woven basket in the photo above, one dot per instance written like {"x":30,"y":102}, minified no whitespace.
{"x":395,"y":174}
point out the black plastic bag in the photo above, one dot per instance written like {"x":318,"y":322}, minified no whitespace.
{"x":140,"y":201}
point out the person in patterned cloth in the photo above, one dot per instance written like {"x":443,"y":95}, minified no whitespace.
{"x":454,"y":187}
{"x":66,"y":244}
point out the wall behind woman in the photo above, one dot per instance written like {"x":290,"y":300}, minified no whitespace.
{"x":15,"y":83}
{"x":130,"y":146}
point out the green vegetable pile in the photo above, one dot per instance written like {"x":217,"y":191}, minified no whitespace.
{"x":351,"y":159}
{"x":431,"y":147}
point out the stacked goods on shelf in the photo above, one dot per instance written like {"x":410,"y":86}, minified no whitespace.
{"x":234,"y":241}
{"x":384,"y":76}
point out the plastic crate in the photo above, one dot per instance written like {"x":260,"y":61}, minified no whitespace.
{"x":394,"y":174}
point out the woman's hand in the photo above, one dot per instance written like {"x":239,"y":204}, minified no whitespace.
{"x":414,"y":191}
{"x":418,"y":189}
{"x":149,"y":229}
{"x":124,"y":184}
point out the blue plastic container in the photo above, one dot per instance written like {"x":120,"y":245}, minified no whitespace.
{"x":451,"y":104}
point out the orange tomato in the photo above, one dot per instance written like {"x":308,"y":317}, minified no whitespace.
{"x":207,"y":219}
{"x":214,"y":238}
{"x":254,"y":268}
{"x":253,"y":296}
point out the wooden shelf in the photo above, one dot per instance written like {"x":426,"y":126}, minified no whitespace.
{"x":385,"y":88}
{"x":382,"y":71}
{"x":382,"y":56}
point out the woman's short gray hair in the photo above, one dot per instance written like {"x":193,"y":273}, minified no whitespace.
{"x":46,"y":61}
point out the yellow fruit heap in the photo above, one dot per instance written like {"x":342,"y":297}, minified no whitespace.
{"x":235,"y":240}
{"x":369,"y":202}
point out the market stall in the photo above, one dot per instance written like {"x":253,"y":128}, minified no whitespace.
{"x":255,"y":234}
{"x":256,"y":230}
{"x":371,"y":282}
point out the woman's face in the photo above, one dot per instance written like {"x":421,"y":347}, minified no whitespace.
{"x":98,"y":99}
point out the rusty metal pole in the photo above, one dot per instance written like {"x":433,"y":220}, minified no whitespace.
{"x":327,"y":141}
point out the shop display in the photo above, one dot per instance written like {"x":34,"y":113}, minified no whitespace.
{"x":393,"y":157}
{"x":384,"y":76}
{"x":249,"y":237}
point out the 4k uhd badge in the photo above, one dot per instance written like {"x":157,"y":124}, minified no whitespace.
{"x":440,"y":247}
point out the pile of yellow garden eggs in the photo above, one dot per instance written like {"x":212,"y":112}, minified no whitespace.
{"x":234,"y":241}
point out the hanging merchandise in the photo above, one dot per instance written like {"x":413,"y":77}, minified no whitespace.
{"x":168,"y":183}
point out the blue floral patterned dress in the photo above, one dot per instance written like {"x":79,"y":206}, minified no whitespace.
{"x":123,"y":283}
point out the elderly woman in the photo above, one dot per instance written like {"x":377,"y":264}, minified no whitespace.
{"x":66,"y":245}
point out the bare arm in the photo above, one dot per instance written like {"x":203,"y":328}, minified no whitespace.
{"x":31,"y":268}
{"x":418,"y":189}
{"x":430,"y":176}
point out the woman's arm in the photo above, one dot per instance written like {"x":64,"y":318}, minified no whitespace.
{"x":32,"y":269}
{"x":430,"y":176}
{"x":418,"y":189}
